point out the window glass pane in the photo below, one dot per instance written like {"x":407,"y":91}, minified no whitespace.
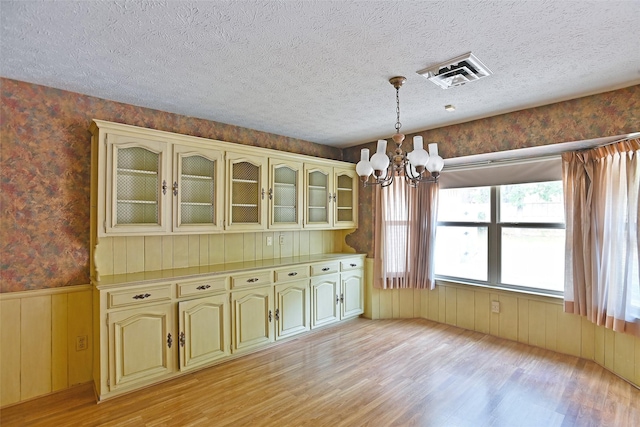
{"x":462,"y":252}
{"x":533,"y":258}
{"x":465,"y":204}
{"x":534,"y":202}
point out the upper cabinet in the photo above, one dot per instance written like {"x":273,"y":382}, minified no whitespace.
{"x":345,"y":198}
{"x":136,"y":185}
{"x":246,"y":192}
{"x":331,"y":197}
{"x":197,"y":189}
{"x":149,"y":182}
{"x":285,"y":194}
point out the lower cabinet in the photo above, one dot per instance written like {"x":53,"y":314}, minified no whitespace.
{"x":351,"y":294}
{"x":292,"y":306}
{"x":141,"y":345}
{"x":252,"y":314}
{"x":326,"y":302}
{"x":146,"y":333}
{"x":204,"y":326}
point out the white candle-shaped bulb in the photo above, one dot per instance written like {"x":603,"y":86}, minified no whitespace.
{"x":363,"y":168}
{"x":417,"y":143}
{"x":379,"y":161}
{"x":418,"y":157}
{"x":435,"y":163}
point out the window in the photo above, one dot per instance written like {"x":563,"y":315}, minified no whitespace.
{"x":507,"y":235}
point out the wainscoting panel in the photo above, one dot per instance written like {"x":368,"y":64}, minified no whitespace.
{"x":530,"y":319}
{"x":119,"y":255}
{"x":39,"y":332}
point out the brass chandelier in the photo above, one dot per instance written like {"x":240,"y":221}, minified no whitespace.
{"x":416,"y":167}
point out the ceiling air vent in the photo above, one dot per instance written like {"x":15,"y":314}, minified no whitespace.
{"x":457,"y":71}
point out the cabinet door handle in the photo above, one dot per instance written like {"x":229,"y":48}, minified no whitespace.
{"x":271,"y":194}
{"x":269,"y":316}
{"x":352,"y":265}
{"x":326,"y":269}
{"x":330,"y":197}
{"x":175,"y":188}
{"x":141,"y":296}
{"x":293,"y":273}
{"x":181,"y":340}
{"x":169,"y":340}
{"x":334,"y":197}
{"x":341,"y":297}
{"x":252,"y":280}
{"x":263,"y":194}
{"x":203,"y":287}
{"x":164,"y":187}
{"x":337,"y":299}
{"x":277,"y":314}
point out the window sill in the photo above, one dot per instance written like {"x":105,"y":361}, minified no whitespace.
{"x":559,"y":299}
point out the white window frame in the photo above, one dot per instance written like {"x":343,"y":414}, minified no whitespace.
{"x":494,"y":242}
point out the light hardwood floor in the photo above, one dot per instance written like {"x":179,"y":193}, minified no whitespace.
{"x":366,"y":373}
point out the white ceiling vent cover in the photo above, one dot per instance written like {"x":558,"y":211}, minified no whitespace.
{"x":457,"y":71}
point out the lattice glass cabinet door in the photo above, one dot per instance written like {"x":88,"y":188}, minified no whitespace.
{"x":246,"y":208}
{"x":318,"y":196}
{"x":137,"y":185}
{"x":346,"y":198}
{"x":197,"y":189}
{"x":285,"y":194}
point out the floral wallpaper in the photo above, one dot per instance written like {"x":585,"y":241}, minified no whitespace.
{"x":605,"y":114}
{"x":45,"y":164}
{"x":45,"y":161}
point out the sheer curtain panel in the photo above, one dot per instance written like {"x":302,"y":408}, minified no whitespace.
{"x":405,"y":231}
{"x":602,"y":280}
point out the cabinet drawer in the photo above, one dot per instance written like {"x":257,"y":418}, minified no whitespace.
{"x":138,"y":296}
{"x":255,"y":278}
{"x":351,"y":264}
{"x":291,"y":273}
{"x":201,"y":287}
{"x":325,"y":268}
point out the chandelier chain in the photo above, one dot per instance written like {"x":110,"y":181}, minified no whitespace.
{"x":398,"y":124}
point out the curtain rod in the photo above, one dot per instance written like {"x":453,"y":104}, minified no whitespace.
{"x":529,"y":153}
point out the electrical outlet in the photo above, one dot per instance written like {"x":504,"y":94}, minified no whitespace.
{"x":81,"y":342}
{"x":282,"y":239}
{"x":495,"y":306}
{"x":269,"y":241}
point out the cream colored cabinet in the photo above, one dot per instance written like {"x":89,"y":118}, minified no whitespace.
{"x":246,"y":192}
{"x":285,"y":194}
{"x":136,"y":186}
{"x":345,"y":198}
{"x":351,"y":293}
{"x":318,"y":196}
{"x":252,"y":318}
{"x":292,"y":308}
{"x":197,"y":189}
{"x":204,"y":326}
{"x":141,"y":345}
{"x":325,"y":301}
{"x":331,"y":197}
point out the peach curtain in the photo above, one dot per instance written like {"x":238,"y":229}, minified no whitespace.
{"x":404,"y":235}
{"x":602,"y":281}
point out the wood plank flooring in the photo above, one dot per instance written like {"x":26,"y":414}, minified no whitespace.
{"x":365,"y":373}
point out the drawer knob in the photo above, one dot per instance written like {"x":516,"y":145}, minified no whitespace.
{"x":141,"y":296}
{"x":352,"y":265}
{"x":293,"y":273}
{"x":252,"y":280}
{"x":326,"y":269}
{"x":203,"y":287}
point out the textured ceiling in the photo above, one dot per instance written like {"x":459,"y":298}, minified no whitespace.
{"x":319,"y":70}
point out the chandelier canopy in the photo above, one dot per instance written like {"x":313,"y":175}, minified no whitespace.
{"x":416,"y":167}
